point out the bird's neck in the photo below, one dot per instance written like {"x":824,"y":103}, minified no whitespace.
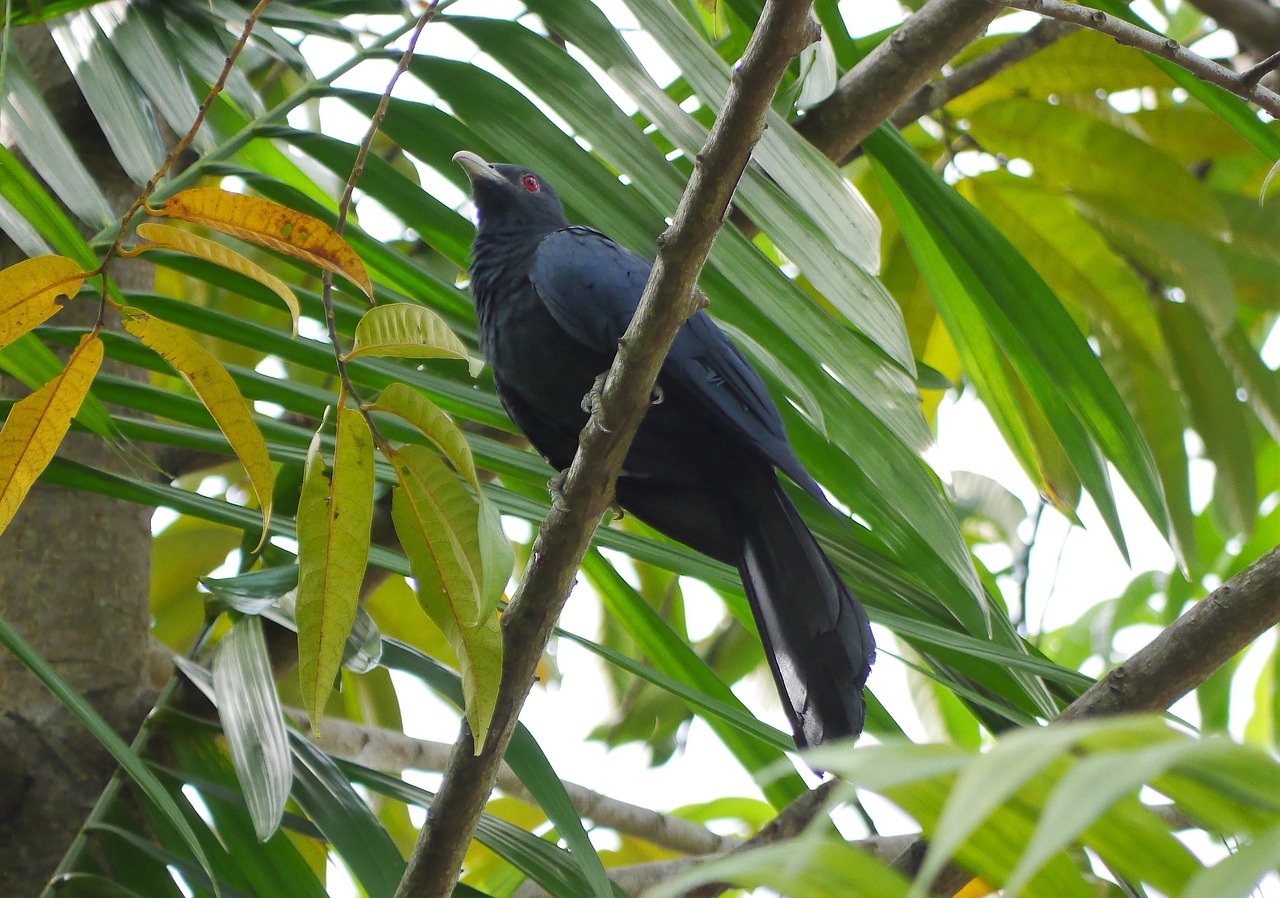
{"x":501,"y":250}
{"x":501,"y":257}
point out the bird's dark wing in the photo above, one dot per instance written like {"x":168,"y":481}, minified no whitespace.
{"x":592,"y":286}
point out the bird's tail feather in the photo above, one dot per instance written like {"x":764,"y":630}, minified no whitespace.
{"x":815,"y":632}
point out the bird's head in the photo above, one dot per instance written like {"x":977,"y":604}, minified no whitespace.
{"x":511,"y":197}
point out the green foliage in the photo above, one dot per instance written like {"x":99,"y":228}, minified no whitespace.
{"x":1076,"y":242}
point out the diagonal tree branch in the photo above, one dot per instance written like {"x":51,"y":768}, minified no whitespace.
{"x":1183,"y":656}
{"x":785,"y":27}
{"x":937,"y":94}
{"x":392,"y":751}
{"x":901,"y":65}
{"x":1186,"y":652}
{"x":1157,"y":45}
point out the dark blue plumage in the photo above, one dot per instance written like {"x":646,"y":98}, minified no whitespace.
{"x":552,"y":301}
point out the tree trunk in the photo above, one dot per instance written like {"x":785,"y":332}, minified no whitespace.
{"x":74,"y":581}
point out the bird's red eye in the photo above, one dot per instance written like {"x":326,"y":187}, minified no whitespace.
{"x":530,"y":183}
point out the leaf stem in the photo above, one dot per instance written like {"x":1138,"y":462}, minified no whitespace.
{"x":181,"y":146}
{"x":344,"y":208}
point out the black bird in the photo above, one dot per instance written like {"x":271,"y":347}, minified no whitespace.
{"x":552,"y":301}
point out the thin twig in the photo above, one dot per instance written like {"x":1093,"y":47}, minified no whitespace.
{"x":242,"y":136}
{"x":937,"y":94}
{"x":784,"y":29}
{"x":1256,"y":73}
{"x":902,"y":64}
{"x":1157,"y":45}
{"x":1022,"y":565}
{"x":181,"y":146}
{"x":392,"y":751}
{"x":344,"y":208}
{"x":1185,"y":653}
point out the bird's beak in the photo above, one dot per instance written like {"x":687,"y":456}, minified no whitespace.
{"x":476,"y":168}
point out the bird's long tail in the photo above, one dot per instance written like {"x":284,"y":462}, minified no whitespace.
{"x":816,"y":634}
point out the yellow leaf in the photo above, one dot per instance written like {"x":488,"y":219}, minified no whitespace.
{"x":220,"y":396}
{"x":272,"y":225}
{"x":407,"y":331}
{"x":334,"y":519}
{"x":37,"y":424}
{"x":29,"y":293}
{"x":436,"y":519}
{"x":405,"y":402}
{"x":166,"y":237}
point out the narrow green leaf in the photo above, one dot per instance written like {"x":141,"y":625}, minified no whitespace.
{"x":274,"y":869}
{"x":436,"y":519}
{"x":547,"y":864}
{"x":1072,"y":149}
{"x":1217,"y":414}
{"x":1158,"y":409}
{"x":334,"y":519}
{"x":325,"y":793}
{"x":140,"y":36}
{"x":673,"y":656}
{"x":1233,"y":110}
{"x":253,"y":722}
{"x":744,"y":721}
{"x":497,"y":558}
{"x":118,"y":105}
{"x":1071,"y":256}
{"x":47,"y":148}
{"x":803,"y":868}
{"x":1086,"y":792}
{"x":1240,"y":873}
{"x":414,"y":407}
{"x":437,"y":522}
{"x":35,"y":208}
{"x":986,"y":784}
{"x":530,"y":763}
{"x":1178,"y":257}
{"x":1041,"y":341}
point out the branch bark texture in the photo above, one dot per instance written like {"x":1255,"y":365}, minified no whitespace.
{"x":936,"y":94}
{"x":1191,"y":648}
{"x":74,"y":572}
{"x":785,"y":27}
{"x":902,"y":64}
{"x":1157,"y":45}
{"x":392,"y":751}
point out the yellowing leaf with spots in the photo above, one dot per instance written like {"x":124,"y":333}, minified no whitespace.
{"x":436,"y":509}
{"x":407,"y":331}
{"x":166,"y":237}
{"x":272,"y":225}
{"x":334,"y":519}
{"x":36,"y":425}
{"x":436,"y":520}
{"x":220,"y":396}
{"x":405,"y":402}
{"x":29,"y":293}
